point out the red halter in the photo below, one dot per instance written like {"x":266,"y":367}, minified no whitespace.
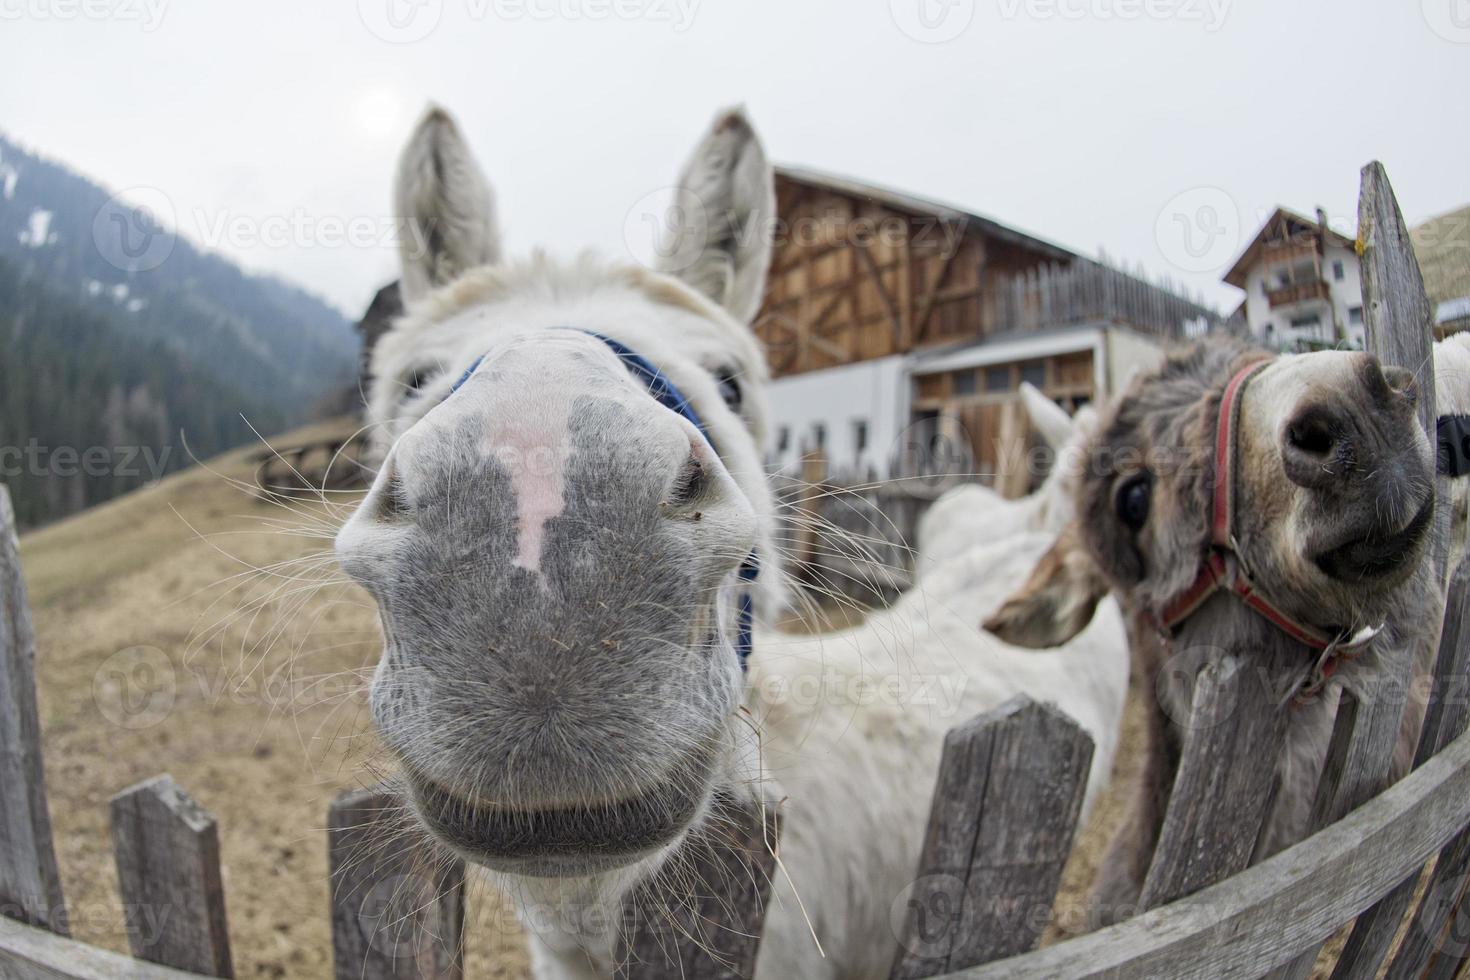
{"x":1223,"y":569}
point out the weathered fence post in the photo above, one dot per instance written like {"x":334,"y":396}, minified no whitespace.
{"x":1443,"y":723}
{"x":1222,"y":790}
{"x":1399,"y":327}
{"x":1455,"y":952}
{"x":30,"y":885}
{"x":703,"y":919}
{"x":397,"y":906}
{"x":1001,"y":824}
{"x":168,"y":873}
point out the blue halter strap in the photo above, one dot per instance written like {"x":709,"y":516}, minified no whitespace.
{"x":1454,"y":445}
{"x":667,"y":394}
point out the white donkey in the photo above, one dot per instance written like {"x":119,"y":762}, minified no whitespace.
{"x":1452,"y":397}
{"x":973,"y":514}
{"x":569,"y":517}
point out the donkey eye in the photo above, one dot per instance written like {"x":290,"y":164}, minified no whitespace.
{"x":1132,"y":502}
{"x":729,"y":388}
{"x":416,"y":378}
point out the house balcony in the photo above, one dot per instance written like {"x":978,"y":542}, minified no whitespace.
{"x":1290,"y":251}
{"x":1299,"y":292}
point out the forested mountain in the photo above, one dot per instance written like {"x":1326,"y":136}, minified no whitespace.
{"x":116,"y":336}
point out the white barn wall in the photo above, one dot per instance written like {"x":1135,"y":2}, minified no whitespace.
{"x":1127,"y":354}
{"x":873,"y":391}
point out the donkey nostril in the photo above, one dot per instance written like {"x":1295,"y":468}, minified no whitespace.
{"x":1311,"y":436}
{"x":1401,"y":380}
{"x":389,"y":502}
{"x":1316,"y":441}
{"x":690,"y":484}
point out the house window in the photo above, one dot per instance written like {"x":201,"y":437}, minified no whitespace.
{"x":1310,"y":322}
{"x":819,"y":436}
{"x":998,"y":378}
{"x":1034,"y":373}
{"x":783,"y":439}
{"x":964,"y":382}
{"x":860,"y":434}
{"x":1355,"y":315}
{"x":1337,"y":271}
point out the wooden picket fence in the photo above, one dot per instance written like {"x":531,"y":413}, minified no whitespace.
{"x":1390,"y":862}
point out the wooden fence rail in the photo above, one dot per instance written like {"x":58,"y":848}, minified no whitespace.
{"x":1006,"y":803}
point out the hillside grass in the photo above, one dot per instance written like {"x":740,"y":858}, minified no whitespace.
{"x":269,"y":651}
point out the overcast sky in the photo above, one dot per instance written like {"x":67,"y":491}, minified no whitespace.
{"x":1159,"y":130}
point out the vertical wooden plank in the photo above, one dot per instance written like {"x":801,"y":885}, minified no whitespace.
{"x":1001,"y":825}
{"x":1436,"y":910}
{"x":1224,"y":787}
{"x":397,"y":904}
{"x":1452,"y":961}
{"x":1443,"y":722}
{"x":167,"y":852}
{"x":700,"y":918}
{"x":1399,"y":329}
{"x":1341,"y":789}
{"x":1011,"y":475}
{"x":1449,"y":705}
{"x":30,"y":885}
{"x":1398,"y":318}
{"x":1448,"y":713}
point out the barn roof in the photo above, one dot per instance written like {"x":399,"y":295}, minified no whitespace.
{"x":900,"y":201}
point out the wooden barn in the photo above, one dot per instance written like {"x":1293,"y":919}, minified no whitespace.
{"x":891,"y":320}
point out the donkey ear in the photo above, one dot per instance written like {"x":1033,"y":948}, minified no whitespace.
{"x":1057,"y":601}
{"x":721,"y":219}
{"x":1050,"y":419}
{"x":446,"y":205}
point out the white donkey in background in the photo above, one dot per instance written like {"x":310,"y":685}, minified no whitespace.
{"x":1452,"y":397}
{"x":560,"y":540}
{"x":972,"y":514}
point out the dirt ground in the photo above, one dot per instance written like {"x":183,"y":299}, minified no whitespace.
{"x":193,"y":629}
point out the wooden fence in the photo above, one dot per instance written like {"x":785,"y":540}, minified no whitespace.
{"x":1090,"y":292}
{"x":1386,"y":861}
